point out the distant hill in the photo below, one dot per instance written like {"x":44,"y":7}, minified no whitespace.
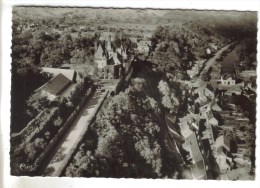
{"x":139,"y":16}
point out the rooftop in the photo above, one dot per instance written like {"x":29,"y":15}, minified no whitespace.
{"x":68,"y":73}
{"x":198,"y":168}
{"x":56,"y":85}
{"x":223,"y":141}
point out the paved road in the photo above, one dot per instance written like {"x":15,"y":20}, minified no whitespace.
{"x":73,"y":136}
{"x":217,"y":55}
{"x":197,"y":81}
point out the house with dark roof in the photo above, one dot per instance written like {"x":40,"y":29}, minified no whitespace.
{"x":56,"y":85}
{"x":227,"y":77}
{"x":68,"y":73}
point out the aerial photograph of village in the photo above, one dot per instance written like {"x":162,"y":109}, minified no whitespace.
{"x":133,"y":93}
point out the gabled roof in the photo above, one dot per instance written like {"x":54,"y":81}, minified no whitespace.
{"x":195,"y":150}
{"x":56,"y":84}
{"x":227,"y":73}
{"x":198,"y":168}
{"x":68,"y":73}
{"x":115,"y":59}
{"x":215,"y":106}
{"x":204,"y":91}
{"x":209,"y":87}
{"x":185,"y":129}
{"x":100,"y":52}
{"x":223,"y":141}
{"x":209,"y":114}
{"x":210,"y":105}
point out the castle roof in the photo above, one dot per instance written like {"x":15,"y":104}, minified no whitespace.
{"x":99,"y":52}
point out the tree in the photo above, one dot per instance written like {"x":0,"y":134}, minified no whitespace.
{"x":36,"y":103}
{"x":169,"y":99}
{"x":33,"y":149}
{"x":128,"y":131}
{"x":77,"y":93}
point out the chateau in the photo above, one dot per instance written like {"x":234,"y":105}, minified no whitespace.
{"x":111,"y":63}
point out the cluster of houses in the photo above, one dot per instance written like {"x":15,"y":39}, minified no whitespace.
{"x":208,"y":152}
{"x":239,"y":125}
{"x":32,"y":26}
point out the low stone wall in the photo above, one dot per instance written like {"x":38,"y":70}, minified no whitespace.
{"x":61,"y":170}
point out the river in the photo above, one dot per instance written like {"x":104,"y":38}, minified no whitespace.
{"x":229,"y":61}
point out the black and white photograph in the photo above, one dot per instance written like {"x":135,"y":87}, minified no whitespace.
{"x":100,"y":92}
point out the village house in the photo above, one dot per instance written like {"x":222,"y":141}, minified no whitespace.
{"x":222,"y":153}
{"x":71,"y":74}
{"x":208,"y":51}
{"x":244,"y":150}
{"x":61,"y":84}
{"x":222,"y":144}
{"x":193,"y":71}
{"x":227,"y":77}
{"x":189,"y":124}
{"x":206,"y":133}
{"x":184,"y":127}
{"x":206,"y":93}
{"x":210,"y":118}
{"x":206,"y":113}
{"x":213,"y":105}
{"x":199,"y":164}
{"x":213,"y":46}
{"x":56,"y":85}
{"x":62,"y":27}
{"x":34,"y":25}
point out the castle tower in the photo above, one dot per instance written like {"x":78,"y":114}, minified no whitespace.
{"x":123,"y":53}
{"x":109,"y":47}
{"x":96,"y":46}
